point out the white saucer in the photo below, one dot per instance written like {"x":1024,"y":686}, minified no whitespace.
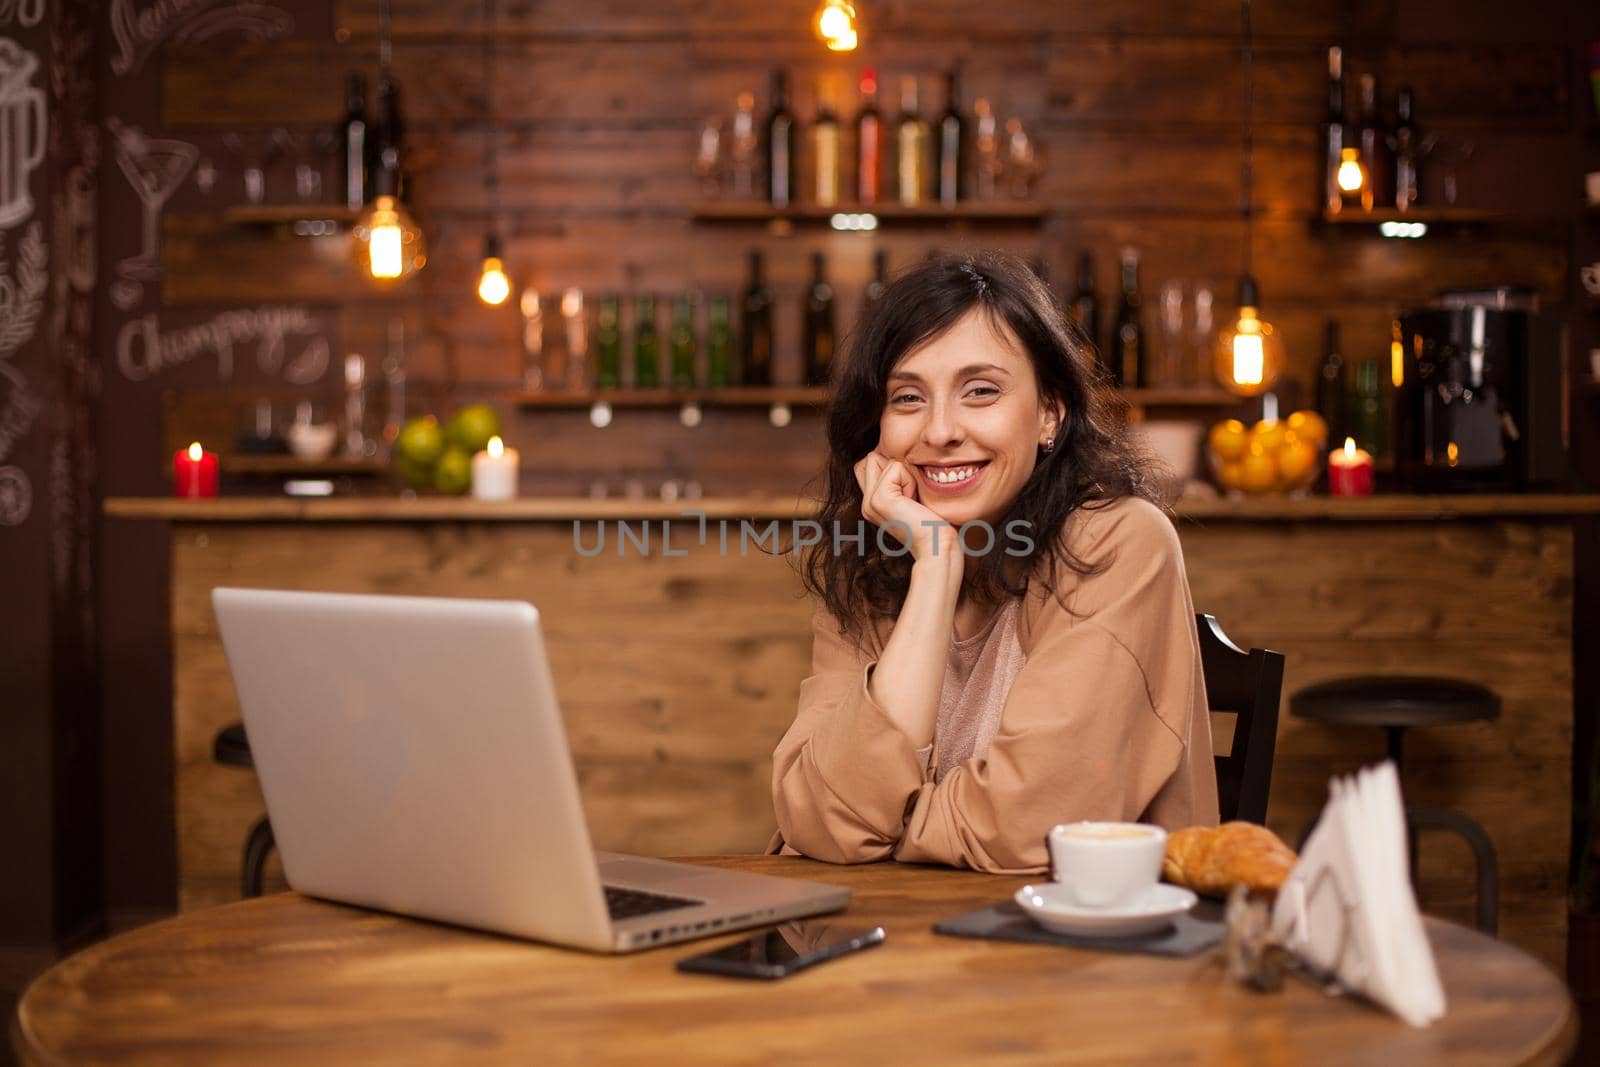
{"x":1156,"y":907}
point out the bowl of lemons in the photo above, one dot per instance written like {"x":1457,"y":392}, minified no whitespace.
{"x":1271,"y":456}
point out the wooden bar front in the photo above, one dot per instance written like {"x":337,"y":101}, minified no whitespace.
{"x":678,"y":674}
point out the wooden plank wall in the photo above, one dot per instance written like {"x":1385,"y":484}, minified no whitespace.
{"x":1136,"y":106}
{"x":677,"y":676}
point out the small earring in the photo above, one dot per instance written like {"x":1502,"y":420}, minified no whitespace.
{"x":1049,"y":444}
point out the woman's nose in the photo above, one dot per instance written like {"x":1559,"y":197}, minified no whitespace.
{"x":943,"y":425}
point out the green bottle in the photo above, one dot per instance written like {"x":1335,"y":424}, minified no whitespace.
{"x":646,"y":344}
{"x":719,"y":344}
{"x":682,"y":341}
{"x":1369,"y":422}
{"x":608,"y":343}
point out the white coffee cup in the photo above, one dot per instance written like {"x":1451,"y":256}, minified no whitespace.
{"x":1591,"y":187}
{"x":1103,"y":863}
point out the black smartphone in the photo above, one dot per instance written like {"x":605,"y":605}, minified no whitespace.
{"x":783,"y":950}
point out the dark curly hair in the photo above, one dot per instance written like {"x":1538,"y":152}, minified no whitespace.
{"x":1091,"y":465}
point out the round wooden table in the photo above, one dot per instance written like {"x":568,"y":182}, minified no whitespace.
{"x":287,"y":979}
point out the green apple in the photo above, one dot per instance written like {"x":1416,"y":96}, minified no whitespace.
{"x":453,"y":473}
{"x":420,"y":442}
{"x":471,"y":428}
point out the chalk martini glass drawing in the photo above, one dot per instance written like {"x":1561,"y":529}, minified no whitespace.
{"x":155,"y":167}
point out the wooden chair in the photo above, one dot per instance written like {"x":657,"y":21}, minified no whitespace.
{"x":1250,"y":685}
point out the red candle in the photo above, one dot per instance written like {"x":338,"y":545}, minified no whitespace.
{"x":194,"y":472}
{"x":1350,"y":471}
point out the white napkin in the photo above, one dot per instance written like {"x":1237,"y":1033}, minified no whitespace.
{"x":1348,"y":909}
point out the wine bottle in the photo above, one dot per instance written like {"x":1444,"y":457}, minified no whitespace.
{"x":1407,"y":152}
{"x":1374,"y":148}
{"x":779,"y":152}
{"x":1333,"y":132}
{"x":869,"y":141}
{"x":719,"y":344}
{"x":755,"y":327}
{"x":824,"y":138}
{"x":1084,"y":309}
{"x":646,"y":344}
{"x":818,"y":340}
{"x":356,"y":186}
{"x":880,"y":278}
{"x":1366,"y":419}
{"x":608,"y":342}
{"x":1331,"y":384}
{"x":952,"y":145}
{"x":1127,"y":332}
{"x":682,"y":342}
{"x":911,"y":147}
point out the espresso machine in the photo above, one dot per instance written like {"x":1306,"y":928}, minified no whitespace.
{"x":1482,"y":399}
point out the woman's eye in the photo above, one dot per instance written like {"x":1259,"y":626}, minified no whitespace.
{"x":905,"y":398}
{"x":983,"y":391}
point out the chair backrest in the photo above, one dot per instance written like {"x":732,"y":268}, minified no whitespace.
{"x":1248,"y":684}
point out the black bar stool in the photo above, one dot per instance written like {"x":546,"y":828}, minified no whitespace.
{"x":1398,"y":703}
{"x":232,"y":747}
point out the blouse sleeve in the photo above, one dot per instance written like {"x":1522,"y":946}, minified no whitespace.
{"x":844,"y":774}
{"x":1097,"y":721}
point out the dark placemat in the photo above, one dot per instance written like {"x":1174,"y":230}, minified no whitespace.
{"x":1189,"y":934}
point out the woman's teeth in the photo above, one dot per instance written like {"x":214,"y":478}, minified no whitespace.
{"x":951,"y":475}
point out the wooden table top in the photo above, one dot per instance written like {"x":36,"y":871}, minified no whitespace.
{"x":286,"y":979}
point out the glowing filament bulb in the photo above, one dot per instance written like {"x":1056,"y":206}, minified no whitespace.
{"x":836,"y":25}
{"x":385,"y":240}
{"x":493,"y":285}
{"x":1352,"y":176}
{"x":1249,"y":355}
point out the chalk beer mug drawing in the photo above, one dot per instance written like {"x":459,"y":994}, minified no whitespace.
{"x":22,"y":131}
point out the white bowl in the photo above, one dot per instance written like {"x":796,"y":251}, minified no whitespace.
{"x":313,"y":440}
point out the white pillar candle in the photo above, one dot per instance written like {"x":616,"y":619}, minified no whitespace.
{"x":494,"y":472}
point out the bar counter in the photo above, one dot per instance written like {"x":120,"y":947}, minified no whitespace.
{"x":678,"y":671}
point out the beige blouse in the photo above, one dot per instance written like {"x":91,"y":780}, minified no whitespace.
{"x":1104,"y":718}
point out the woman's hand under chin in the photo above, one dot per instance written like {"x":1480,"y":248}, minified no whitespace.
{"x":889,"y":495}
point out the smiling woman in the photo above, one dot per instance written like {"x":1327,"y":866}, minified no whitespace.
{"x":971,"y":689}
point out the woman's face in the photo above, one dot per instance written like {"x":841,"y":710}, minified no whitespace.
{"x":964,"y":414}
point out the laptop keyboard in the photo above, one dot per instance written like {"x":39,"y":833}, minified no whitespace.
{"x":628,"y":903}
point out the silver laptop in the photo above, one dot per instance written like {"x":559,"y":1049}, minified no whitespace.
{"x":413,"y":759}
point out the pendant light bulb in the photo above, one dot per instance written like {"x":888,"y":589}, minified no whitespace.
{"x":494,"y":287}
{"x":1351,"y":175}
{"x":388,"y":243}
{"x":1249,"y":352}
{"x":836,"y":25}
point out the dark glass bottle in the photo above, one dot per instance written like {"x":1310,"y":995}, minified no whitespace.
{"x":1333,"y":132}
{"x":1407,"y":152}
{"x":756,"y":327}
{"x":1084,"y":309}
{"x":1368,"y":422}
{"x":911,"y":147}
{"x":869,"y":141}
{"x":1127,"y":331}
{"x":608,"y":342}
{"x":646,"y":344}
{"x":682,"y":342}
{"x":880,"y":278}
{"x":1373,"y":142}
{"x":719,"y":344}
{"x":824,"y":139}
{"x":779,"y":144}
{"x":819,"y":338}
{"x":952,"y":145}
{"x":1331,"y":386}
{"x":388,"y":136}
{"x":355,"y":186}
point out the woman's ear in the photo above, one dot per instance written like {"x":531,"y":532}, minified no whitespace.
{"x":1054,"y":417}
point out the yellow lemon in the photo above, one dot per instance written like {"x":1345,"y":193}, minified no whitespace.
{"x":1268,"y":434}
{"x":1228,"y":440}
{"x":1310,"y":426}
{"x":1258,"y":470}
{"x":1297,"y":461}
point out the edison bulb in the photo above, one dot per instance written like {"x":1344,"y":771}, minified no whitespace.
{"x":1249,"y":354}
{"x":388,"y":244}
{"x":493,"y":285}
{"x":836,"y":25}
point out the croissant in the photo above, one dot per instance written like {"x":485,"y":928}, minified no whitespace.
{"x":1211,"y":860}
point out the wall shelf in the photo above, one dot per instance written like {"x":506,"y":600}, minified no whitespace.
{"x":1442,"y":218}
{"x":288,"y":215}
{"x":733,"y":396}
{"x":293,"y":466}
{"x":989,"y":212}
